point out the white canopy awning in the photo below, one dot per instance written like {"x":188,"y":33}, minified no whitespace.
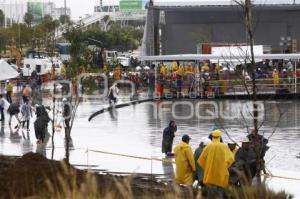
{"x":232,"y":54}
{"x":7,"y":71}
{"x":201,"y":57}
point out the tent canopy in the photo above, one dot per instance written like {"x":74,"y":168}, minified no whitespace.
{"x":233,"y":54}
{"x":7,"y":71}
{"x":202,"y":57}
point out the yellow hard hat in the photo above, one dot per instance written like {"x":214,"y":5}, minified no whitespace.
{"x":216,"y":133}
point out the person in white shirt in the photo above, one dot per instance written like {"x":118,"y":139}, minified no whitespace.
{"x":26,"y":111}
{"x":113,"y":93}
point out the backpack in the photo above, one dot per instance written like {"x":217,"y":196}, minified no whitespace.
{"x":13,"y":108}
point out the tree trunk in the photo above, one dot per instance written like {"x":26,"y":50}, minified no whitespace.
{"x":53,"y":121}
{"x":249,"y":27}
{"x":67,"y":147}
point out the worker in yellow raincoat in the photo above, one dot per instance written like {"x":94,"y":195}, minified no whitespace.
{"x":215,"y":160}
{"x":63,"y":71}
{"x":217,"y":69}
{"x":205,"y":67}
{"x":233,"y":147}
{"x":189,"y":69}
{"x":9,"y":90}
{"x":275,"y":77}
{"x":164,"y":70}
{"x":180,"y":71}
{"x":174,"y":66}
{"x":185,"y":163}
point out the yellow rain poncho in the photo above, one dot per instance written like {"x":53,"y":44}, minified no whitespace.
{"x":63,"y":70}
{"x":215,"y":160}
{"x":275,"y":77}
{"x":180,"y":71}
{"x":164,"y":70}
{"x":234,"y":150}
{"x":185,"y":164}
{"x":205,"y":68}
{"x":217,"y":69}
{"x":189,"y":69}
{"x":174,"y":66}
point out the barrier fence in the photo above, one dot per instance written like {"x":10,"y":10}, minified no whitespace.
{"x":167,"y":160}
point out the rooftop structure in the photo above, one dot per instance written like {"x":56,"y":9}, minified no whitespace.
{"x":178,"y":27}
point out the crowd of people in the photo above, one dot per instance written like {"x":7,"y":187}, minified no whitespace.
{"x":205,"y":78}
{"x":22,"y":110}
{"x":215,"y":78}
{"x":214,"y":165}
{"x":23,"y":85}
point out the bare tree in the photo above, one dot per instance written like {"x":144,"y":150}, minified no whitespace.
{"x":245,"y":57}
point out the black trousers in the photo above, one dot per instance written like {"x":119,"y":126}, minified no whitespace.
{"x":112,"y":100}
{"x":2,"y":114}
{"x":27,"y":125}
{"x":8,"y":96}
{"x":25,"y":98}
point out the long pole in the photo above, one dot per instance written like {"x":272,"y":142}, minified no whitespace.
{"x":65,"y":6}
{"x":5,"y":22}
{"x":10,"y":12}
{"x":155,"y":82}
{"x":295,"y":74}
{"x":65,"y":9}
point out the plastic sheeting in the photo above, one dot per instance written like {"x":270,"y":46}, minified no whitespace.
{"x":7,"y":71}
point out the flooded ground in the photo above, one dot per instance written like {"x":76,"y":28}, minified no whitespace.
{"x":105,"y":143}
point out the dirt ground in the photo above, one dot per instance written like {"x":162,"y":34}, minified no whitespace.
{"x":35,"y":176}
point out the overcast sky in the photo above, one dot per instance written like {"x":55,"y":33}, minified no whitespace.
{"x":78,"y":7}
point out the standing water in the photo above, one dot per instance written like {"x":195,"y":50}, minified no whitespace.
{"x":105,"y":143}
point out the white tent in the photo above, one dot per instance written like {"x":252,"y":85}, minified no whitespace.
{"x":235,"y":55}
{"x":6,"y":71}
{"x":200,"y":57}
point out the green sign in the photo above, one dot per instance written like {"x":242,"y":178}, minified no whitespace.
{"x":131,"y":4}
{"x":36,"y":9}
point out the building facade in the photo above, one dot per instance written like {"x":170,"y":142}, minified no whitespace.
{"x":15,"y":10}
{"x":184,"y":27}
{"x":50,"y":8}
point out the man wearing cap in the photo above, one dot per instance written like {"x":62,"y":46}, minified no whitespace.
{"x":245,"y":160}
{"x":259,"y":141}
{"x":215,"y":160}
{"x":199,"y":171}
{"x":260,"y":147}
{"x":185,"y":163}
{"x":232,"y":147}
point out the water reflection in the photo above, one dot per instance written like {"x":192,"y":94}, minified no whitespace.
{"x":2,"y":123}
{"x":137,"y":130}
{"x":26,"y":144}
{"x":15,"y":137}
{"x":41,"y":147}
{"x":168,"y":168}
{"x":113,"y":113}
